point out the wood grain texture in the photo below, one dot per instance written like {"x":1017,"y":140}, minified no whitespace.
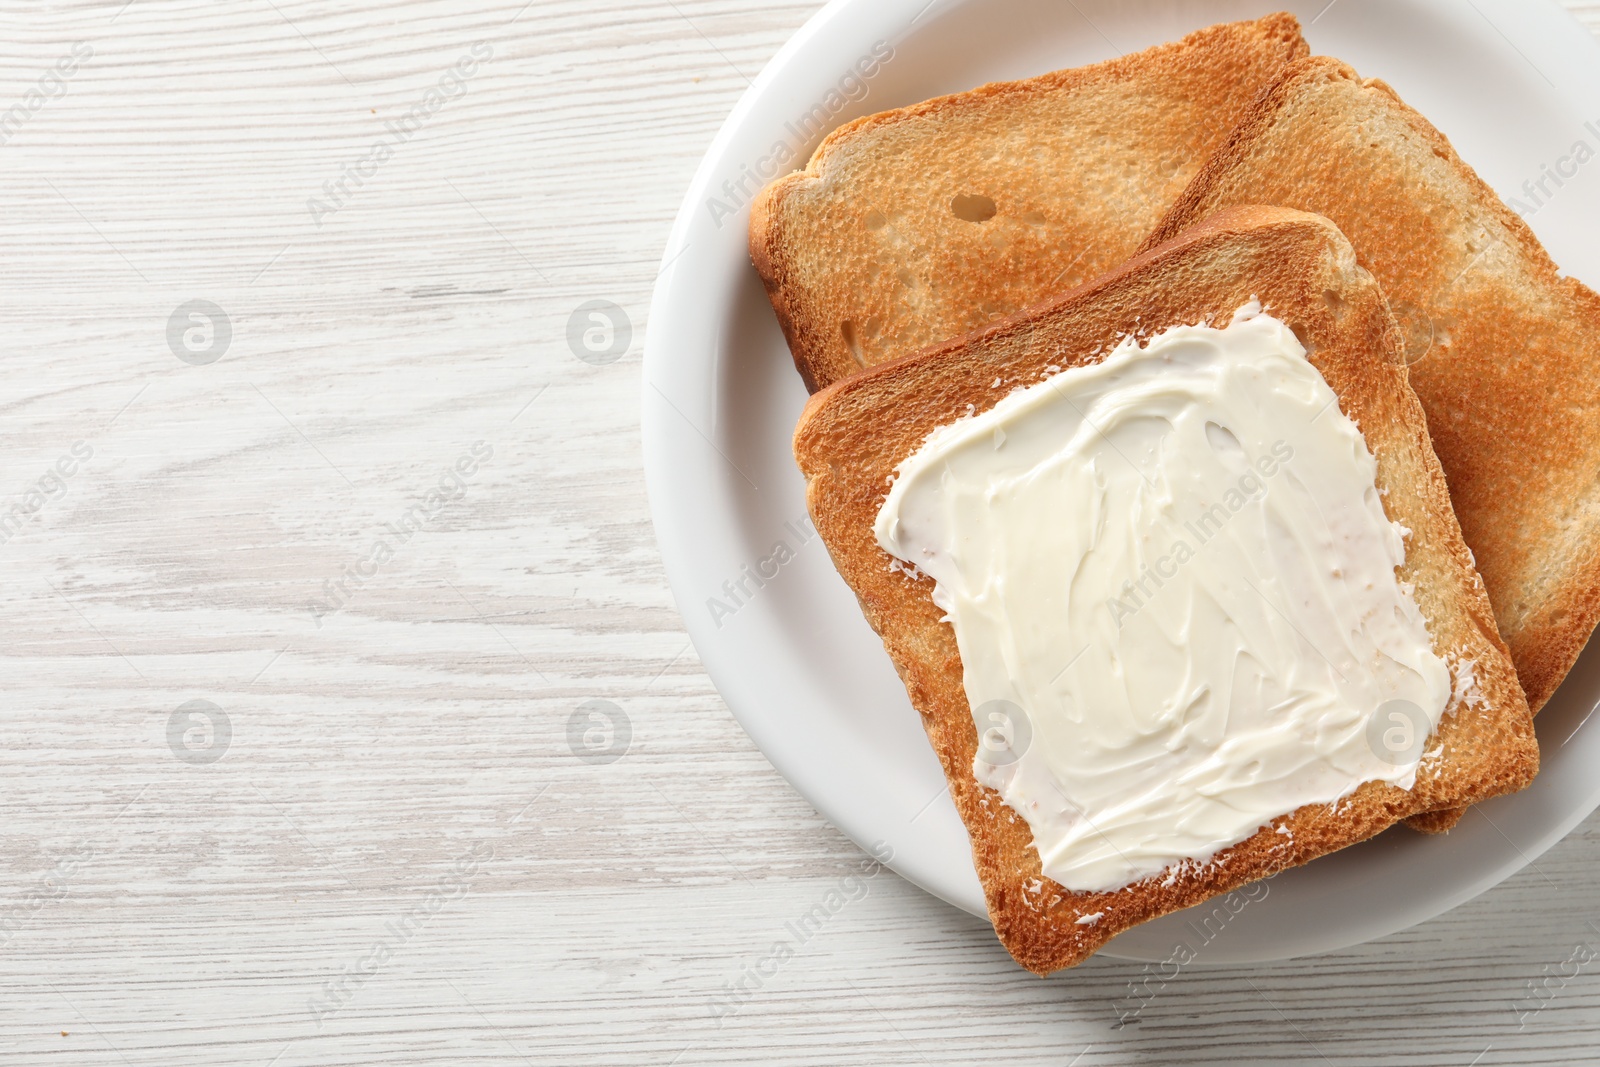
{"x":397,"y":858}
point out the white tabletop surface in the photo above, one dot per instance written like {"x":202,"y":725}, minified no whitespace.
{"x":393,"y":843}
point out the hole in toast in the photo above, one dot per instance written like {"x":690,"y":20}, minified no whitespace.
{"x":852,"y":343}
{"x":1335,"y":302}
{"x":1034,"y":218}
{"x":972,"y":207}
{"x":875,"y":220}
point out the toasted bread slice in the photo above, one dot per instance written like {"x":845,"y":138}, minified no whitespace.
{"x":914,"y":226}
{"x":852,"y":436}
{"x":1502,"y":348}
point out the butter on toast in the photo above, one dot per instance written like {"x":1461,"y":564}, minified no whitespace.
{"x":853,"y":435}
{"x":917,"y":225}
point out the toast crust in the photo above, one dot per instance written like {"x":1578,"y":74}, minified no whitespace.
{"x":853,"y":434}
{"x":865,"y":256}
{"x":1508,"y":345}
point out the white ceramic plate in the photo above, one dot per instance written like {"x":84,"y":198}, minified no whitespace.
{"x":1512,"y":84}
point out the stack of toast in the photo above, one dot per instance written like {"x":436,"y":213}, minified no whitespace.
{"x":930,"y":260}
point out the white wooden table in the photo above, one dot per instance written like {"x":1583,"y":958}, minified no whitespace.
{"x":382,"y":836}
